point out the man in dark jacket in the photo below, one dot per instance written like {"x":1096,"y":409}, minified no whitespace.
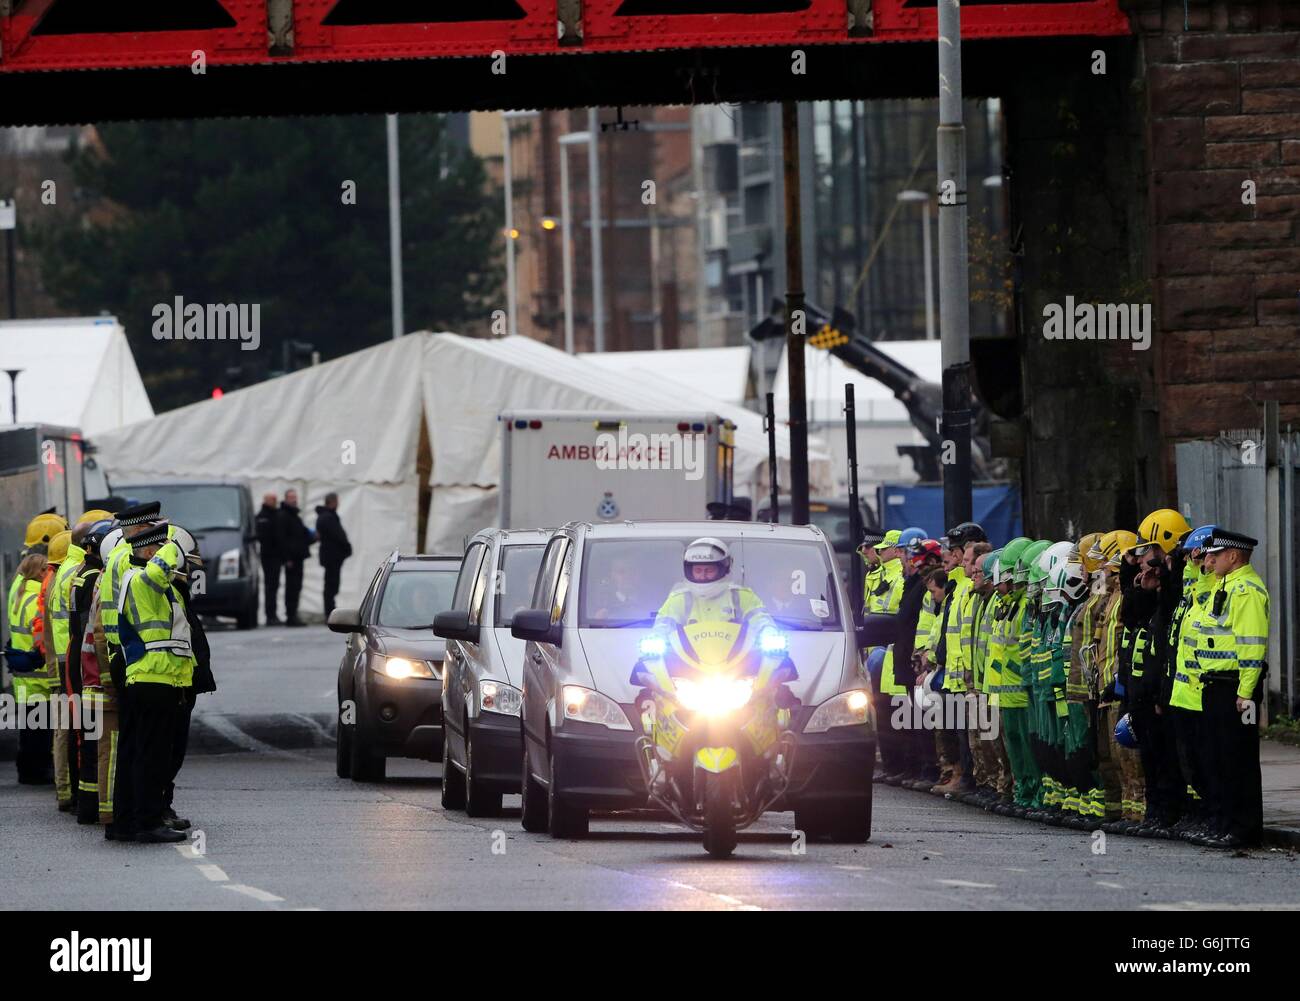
{"x":294,"y":540}
{"x":268,"y":547}
{"x":334,"y":546}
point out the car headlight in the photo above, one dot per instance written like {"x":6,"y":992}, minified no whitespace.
{"x":495,"y":697}
{"x":772,"y":642}
{"x":401,"y":668}
{"x":590,"y":706}
{"x":713,"y":696}
{"x":845,"y":709}
{"x":228,"y":565}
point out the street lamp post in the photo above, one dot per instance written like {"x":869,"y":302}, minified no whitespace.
{"x":566,"y":228}
{"x":924,"y":199}
{"x":507,"y":169}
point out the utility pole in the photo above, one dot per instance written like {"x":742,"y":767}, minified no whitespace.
{"x":796,"y":318}
{"x":954,"y":287}
{"x":9,"y":222}
{"x":395,"y":227}
{"x":597,"y":260}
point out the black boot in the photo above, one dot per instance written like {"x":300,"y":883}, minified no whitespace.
{"x":160,"y":836}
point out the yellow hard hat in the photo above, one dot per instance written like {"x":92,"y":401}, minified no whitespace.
{"x":90,"y":517}
{"x":1116,"y":542}
{"x":1163,"y":528}
{"x":59,"y":546}
{"x":42,"y":528}
{"x":1083,"y":551}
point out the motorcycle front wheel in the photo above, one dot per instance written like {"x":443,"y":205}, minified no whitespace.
{"x":719,"y":815}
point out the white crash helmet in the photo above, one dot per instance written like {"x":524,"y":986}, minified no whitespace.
{"x":109,"y":543}
{"x":707,"y":551}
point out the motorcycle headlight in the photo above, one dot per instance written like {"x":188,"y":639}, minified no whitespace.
{"x":228,"y":565}
{"x":588,"y":706}
{"x":652,"y":647}
{"x":845,"y":709}
{"x":400,"y":668}
{"x":713,"y":696}
{"x":495,"y":697}
{"x":773,"y":642}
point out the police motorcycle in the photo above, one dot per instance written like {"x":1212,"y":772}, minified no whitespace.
{"x":716,"y":749}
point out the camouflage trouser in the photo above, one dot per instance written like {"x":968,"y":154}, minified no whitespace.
{"x":992,"y":771}
{"x":1133,"y":802}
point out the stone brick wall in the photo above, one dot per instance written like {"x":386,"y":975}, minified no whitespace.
{"x":1223,"y":108}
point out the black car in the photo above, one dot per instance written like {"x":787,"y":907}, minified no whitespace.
{"x":390,"y":678}
{"x":832,"y":517}
{"x":219,"y":515}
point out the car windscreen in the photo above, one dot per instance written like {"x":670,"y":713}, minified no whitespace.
{"x":413,"y":597}
{"x":197,"y":508}
{"x":626,"y":581}
{"x":516,"y":573}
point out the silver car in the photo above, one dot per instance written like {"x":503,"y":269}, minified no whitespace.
{"x":483,"y":670}
{"x":597,"y":594}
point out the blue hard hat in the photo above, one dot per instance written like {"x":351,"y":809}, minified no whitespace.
{"x":1198,"y":537}
{"x":1124,"y":735}
{"x":910,"y":535}
{"x":876,"y":662}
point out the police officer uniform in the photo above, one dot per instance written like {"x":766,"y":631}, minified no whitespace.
{"x":1231,"y":646}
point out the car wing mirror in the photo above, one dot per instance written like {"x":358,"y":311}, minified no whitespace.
{"x":345,"y":620}
{"x":535,"y":624}
{"x":455,"y":625}
{"x":877,"y":629}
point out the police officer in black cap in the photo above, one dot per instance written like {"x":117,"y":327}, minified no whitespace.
{"x":1231,"y":647}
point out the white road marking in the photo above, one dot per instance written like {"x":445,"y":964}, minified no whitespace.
{"x":214,"y":873}
{"x":252,"y":891}
{"x":187,"y":851}
{"x":967,"y":885}
{"x":1197,"y":905}
{"x":1110,"y":886}
{"x":853,"y":868}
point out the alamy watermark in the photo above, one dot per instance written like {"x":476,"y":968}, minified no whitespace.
{"x":659,"y":450}
{"x":215,"y":321}
{"x":1091,"y":321}
{"x":947,"y":711}
{"x":58,"y":712}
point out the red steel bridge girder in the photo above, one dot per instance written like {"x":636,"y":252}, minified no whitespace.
{"x":603,"y":29}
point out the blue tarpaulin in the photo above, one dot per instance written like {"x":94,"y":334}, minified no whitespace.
{"x":996,"y":508}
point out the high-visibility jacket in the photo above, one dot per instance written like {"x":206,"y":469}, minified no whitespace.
{"x":734,"y":604}
{"x":949,"y":619}
{"x":870,"y":582}
{"x":883,"y":599}
{"x":37,"y":682}
{"x":152,"y":626}
{"x":981,"y":633}
{"x":1109,"y":636}
{"x":118,"y":559}
{"x":1083,"y":637}
{"x":1233,"y":637}
{"x":1007,"y":649}
{"x":884,"y":596}
{"x":1192,"y":610}
{"x":989,"y":619}
{"x":59,"y":601}
{"x":968,"y":611}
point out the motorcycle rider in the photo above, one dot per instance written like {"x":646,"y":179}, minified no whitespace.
{"x":708,"y":594}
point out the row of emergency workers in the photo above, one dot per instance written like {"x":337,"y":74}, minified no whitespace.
{"x":107,"y":659}
{"x":1111,"y":682}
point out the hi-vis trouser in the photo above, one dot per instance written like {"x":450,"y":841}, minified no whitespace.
{"x":101,"y":778}
{"x":64,"y":727}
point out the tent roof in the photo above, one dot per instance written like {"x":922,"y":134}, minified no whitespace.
{"x":75,"y":373}
{"x":826,"y":375}
{"x":717,"y":373}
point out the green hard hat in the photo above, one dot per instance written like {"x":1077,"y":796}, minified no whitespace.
{"x":1026,"y":559}
{"x":1007,"y":557}
{"x":989,"y":563}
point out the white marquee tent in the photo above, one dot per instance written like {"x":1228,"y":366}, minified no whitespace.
{"x":718,"y":373}
{"x":352,"y":425}
{"x":76,"y":373}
